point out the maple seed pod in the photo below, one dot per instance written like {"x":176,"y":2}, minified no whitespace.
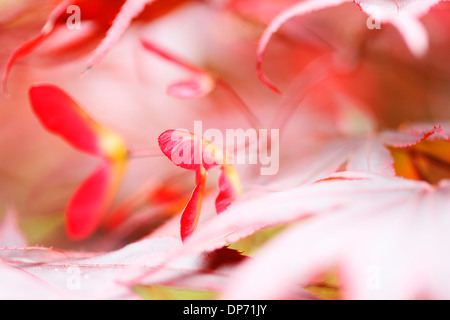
{"x":62,"y":116}
{"x":191,"y":152}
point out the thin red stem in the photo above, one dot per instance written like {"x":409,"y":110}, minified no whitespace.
{"x":144,"y":153}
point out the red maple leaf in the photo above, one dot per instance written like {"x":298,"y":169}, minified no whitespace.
{"x":403,"y":17}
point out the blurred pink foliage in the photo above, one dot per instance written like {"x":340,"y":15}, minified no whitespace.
{"x":357,"y":89}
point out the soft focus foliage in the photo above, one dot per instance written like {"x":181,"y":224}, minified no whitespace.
{"x":96,"y":113}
